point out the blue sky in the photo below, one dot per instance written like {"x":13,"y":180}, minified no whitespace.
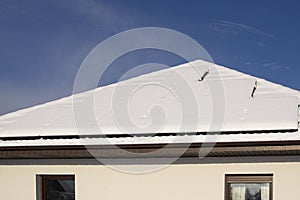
{"x":44,"y":42}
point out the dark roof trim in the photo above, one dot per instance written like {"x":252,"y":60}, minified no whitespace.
{"x":236,"y":149}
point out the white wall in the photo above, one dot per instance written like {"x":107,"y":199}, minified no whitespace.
{"x":177,"y":182}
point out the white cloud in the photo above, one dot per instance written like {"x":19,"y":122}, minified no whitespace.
{"x":274,"y":66}
{"x":99,"y":13}
{"x":269,"y":65}
{"x":236,"y":28}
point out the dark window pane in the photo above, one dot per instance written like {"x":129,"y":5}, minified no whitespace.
{"x":249,"y":191}
{"x":58,"y":188}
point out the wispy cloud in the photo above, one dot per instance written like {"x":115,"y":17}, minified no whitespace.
{"x":95,"y":12}
{"x":274,"y":66}
{"x":99,"y":13}
{"x":61,"y":34}
{"x":234,"y":28}
{"x":269,"y":65}
{"x":260,"y":44}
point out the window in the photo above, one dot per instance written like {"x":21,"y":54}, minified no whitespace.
{"x":56,"y":187}
{"x":248,"y":187}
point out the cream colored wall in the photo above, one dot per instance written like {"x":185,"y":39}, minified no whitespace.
{"x":177,"y":182}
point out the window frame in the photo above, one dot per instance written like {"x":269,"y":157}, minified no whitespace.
{"x":42,"y":182}
{"x":248,"y":179}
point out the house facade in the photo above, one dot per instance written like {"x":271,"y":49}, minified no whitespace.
{"x":194,"y":131}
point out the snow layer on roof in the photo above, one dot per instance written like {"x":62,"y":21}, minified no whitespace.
{"x":184,"y":139}
{"x":193,"y":97}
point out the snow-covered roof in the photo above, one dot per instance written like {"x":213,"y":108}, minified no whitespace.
{"x":189,"y":98}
